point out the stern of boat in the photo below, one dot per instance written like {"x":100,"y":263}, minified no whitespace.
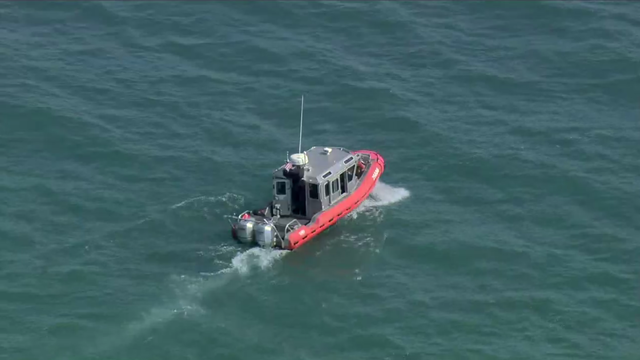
{"x":258,"y":229}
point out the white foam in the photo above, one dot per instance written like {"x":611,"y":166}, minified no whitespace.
{"x":382,"y":195}
{"x":189,"y":289}
{"x":262,"y":258}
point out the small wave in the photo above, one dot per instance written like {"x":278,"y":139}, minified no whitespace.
{"x":229,"y":199}
{"x":382,"y":195}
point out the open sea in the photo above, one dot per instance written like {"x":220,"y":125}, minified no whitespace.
{"x":506,"y":225}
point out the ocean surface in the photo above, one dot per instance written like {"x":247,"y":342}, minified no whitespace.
{"x":506,"y":225}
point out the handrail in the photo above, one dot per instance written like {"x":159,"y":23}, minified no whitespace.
{"x":291,"y":222}
{"x":278,"y":235}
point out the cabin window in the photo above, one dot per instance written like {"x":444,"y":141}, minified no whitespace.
{"x":327,"y":192}
{"x":350,"y":172}
{"x":343,"y":182}
{"x":281,"y":188}
{"x":334,"y":185}
{"x":313,"y":191}
{"x":327,"y":174}
{"x":348,"y":160}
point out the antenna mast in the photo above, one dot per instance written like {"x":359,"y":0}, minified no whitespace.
{"x":301,"y":113}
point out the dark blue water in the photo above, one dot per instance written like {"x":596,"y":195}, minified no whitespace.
{"x":505,"y":225}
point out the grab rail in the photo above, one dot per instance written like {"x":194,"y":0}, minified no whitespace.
{"x":286,"y":228}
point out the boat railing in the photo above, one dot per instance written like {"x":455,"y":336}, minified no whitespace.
{"x":286,"y":228}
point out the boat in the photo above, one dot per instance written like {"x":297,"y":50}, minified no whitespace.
{"x":312,"y":191}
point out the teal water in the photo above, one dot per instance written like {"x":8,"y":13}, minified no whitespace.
{"x":505,"y":225}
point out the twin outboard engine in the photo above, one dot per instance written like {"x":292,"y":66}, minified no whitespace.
{"x":248,"y":231}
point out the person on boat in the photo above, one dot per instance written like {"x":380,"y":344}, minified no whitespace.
{"x":360,"y":169}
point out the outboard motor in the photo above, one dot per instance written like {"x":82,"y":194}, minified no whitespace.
{"x":265,"y":235}
{"x":245,"y":231}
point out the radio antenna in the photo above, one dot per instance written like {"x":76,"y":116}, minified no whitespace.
{"x":301,"y":113}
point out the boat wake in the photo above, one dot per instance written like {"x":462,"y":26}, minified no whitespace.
{"x":188,"y":292}
{"x":244,"y":262}
{"x":190,"y":289}
{"x":228,"y":201}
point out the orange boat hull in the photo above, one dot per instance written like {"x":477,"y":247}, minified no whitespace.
{"x":330,"y":216}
